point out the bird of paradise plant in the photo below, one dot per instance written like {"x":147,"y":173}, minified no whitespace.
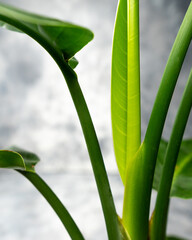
{"x":154,"y":163}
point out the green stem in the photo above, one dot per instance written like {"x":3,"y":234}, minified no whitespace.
{"x":87,"y":127}
{"x":96,"y":159}
{"x":158,"y":227}
{"x":169,"y":80}
{"x":140,"y":174}
{"x":55,"y":203}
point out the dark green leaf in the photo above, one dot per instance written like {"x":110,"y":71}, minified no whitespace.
{"x":18,"y":159}
{"x":182,"y":180}
{"x":65,"y":37}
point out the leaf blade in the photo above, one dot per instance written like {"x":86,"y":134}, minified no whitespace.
{"x":68,"y":38}
{"x":18,"y":159}
{"x":125,"y":85}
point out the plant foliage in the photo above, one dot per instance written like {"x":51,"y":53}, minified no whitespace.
{"x":167,"y":165}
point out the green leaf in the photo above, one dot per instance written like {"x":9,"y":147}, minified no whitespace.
{"x":18,"y":159}
{"x":182,"y":180}
{"x":63,"y":36}
{"x":125,"y":88}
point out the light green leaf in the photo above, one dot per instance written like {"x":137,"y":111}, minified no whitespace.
{"x":182,"y":180}
{"x":65,"y":37}
{"x":125,"y":89}
{"x":18,"y":159}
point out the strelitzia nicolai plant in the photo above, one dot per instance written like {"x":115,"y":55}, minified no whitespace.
{"x":154,"y":163}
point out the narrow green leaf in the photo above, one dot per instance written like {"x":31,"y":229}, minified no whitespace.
{"x":125,"y":86}
{"x":65,"y":37}
{"x":182,"y":179}
{"x":18,"y":159}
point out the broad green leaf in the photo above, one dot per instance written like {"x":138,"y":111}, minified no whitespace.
{"x":65,"y":37}
{"x":182,"y":180}
{"x":18,"y":159}
{"x":125,"y":86}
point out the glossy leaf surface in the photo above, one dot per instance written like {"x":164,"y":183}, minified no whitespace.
{"x":65,"y":37}
{"x":182,"y":180}
{"x":125,"y":86}
{"x":18,"y":159}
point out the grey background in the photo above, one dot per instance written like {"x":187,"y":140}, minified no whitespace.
{"x":37,"y":114}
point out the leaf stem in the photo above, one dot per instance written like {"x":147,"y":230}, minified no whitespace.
{"x":55,"y":203}
{"x":158,"y":227}
{"x":96,"y":159}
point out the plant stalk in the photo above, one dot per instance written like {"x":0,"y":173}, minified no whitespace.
{"x":55,"y":203}
{"x":158,"y":227}
{"x":96,"y":159}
